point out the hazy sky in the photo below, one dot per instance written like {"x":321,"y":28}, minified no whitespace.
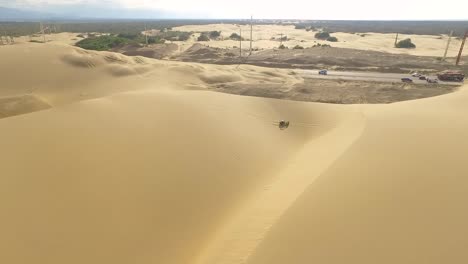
{"x":298,"y":9}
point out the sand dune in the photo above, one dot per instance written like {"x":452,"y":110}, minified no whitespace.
{"x":60,"y":74}
{"x":21,"y":104}
{"x":396,"y":196}
{"x":135,"y":162}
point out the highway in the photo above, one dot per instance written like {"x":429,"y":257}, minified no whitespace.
{"x":366,"y":76}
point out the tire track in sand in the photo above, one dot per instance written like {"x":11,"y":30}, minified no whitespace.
{"x":238,"y":238}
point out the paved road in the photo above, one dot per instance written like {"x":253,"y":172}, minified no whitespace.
{"x":367,"y":76}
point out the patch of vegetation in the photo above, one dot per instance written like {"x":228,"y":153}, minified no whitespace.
{"x":102,"y":42}
{"x":155,"y":40}
{"x":140,"y":38}
{"x":203,"y":37}
{"x":80,"y":36}
{"x":175,"y":35}
{"x":128,"y":35}
{"x":235,"y":36}
{"x":320,"y":45}
{"x":300,"y":26}
{"x":405,"y":44}
{"x":322,"y":35}
{"x":282,"y":47}
{"x":298,"y":47}
{"x":215,"y":34}
{"x":332,"y":39}
{"x":36,"y":41}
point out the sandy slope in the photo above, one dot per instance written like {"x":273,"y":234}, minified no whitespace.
{"x":398,"y":195}
{"x":58,"y":74}
{"x":426,"y":45}
{"x":146,"y":169}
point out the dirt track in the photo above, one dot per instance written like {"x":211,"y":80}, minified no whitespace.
{"x":337,"y":91}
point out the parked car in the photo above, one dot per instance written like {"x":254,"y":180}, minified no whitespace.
{"x":432,"y":80}
{"x":422,"y":78}
{"x":416,"y":74}
{"x":323,"y":72}
{"x":406,"y":80}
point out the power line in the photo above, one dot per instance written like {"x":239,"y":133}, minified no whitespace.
{"x":448,"y":44}
{"x":251,"y":22}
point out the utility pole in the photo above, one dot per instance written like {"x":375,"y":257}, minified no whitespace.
{"x":42,"y":31}
{"x":146,"y":35}
{"x":240,"y":41}
{"x":281,"y":39}
{"x":251,"y":21}
{"x":448,"y":44}
{"x":461,"y":48}
{"x":396,"y":39}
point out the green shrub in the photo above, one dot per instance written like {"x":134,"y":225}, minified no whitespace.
{"x":406,"y":44}
{"x":235,"y":36}
{"x":203,"y":37}
{"x":215,"y":34}
{"x":300,"y":26}
{"x":36,"y":41}
{"x":332,"y":39}
{"x":102,"y":42}
{"x":128,"y":35}
{"x":322,"y":35}
{"x":156,"y":40}
{"x":176,"y":35}
{"x":282,"y":47}
{"x":298,"y":47}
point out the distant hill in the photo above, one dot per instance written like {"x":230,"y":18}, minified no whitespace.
{"x":11,"y":14}
{"x":78,"y":12}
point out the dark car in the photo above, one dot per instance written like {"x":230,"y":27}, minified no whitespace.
{"x":323,"y":72}
{"x":422,"y":78}
{"x":406,"y":80}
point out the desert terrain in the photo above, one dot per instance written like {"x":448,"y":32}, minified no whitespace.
{"x":109,"y":158}
{"x":369,"y":51}
{"x":427,"y":45}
